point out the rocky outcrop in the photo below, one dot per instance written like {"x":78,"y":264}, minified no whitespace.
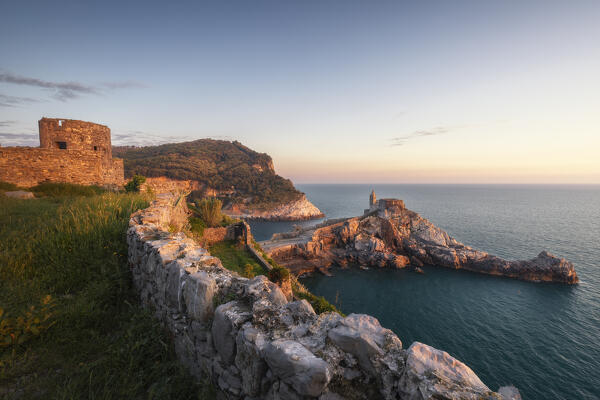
{"x":297,"y":210}
{"x":252,"y":343}
{"x":397,"y":237}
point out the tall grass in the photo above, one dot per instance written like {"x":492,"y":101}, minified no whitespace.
{"x":101,"y":344}
{"x":209,"y":209}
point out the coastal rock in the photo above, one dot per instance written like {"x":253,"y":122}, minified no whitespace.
{"x":434,"y":374}
{"x":397,"y":237}
{"x":509,"y":393}
{"x":297,"y":210}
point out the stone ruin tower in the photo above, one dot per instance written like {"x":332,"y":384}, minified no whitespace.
{"x":66,"y":134}
{"x":70,"y":151}
{"x":372,"y":198}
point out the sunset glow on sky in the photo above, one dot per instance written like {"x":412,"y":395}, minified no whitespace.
{"x":334,"y":91}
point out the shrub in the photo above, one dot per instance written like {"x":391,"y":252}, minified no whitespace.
{"x":319,"y":303}
{"x":249,"y":271}
{"x":8,"y":187}
{"x":278,"y":274}
{"x":51,"y":189}
{"x":135,"y":183}
{"x":197,"y":225}
{"x":210,"y":211}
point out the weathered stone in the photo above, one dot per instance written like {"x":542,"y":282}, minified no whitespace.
{"x":297,"y":366}
{"x":432,"y":373}
{"x":19,"y":194}
{"x":509,"y":393}
{"x":248,"y":360}
{"x":261,"y":287}
{"x":199,"y":293}
{"x":362,"y":336}
{"x":228,"y":319}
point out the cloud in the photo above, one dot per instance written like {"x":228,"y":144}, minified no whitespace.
{"x":19,"y":139}
{"x":402,"y":140}
{"x":64,"y":91}
{"x":15,"y":101}
{"x":7,"y":123}
{"x":123,"y":85}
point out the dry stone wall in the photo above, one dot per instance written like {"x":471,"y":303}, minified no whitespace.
{"x":27,"y":167}
{"x":255,"y":344}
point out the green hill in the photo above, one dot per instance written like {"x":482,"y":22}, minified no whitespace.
{"x":217,"y":164}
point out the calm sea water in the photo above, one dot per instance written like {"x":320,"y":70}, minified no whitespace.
{"x":543,"y":338}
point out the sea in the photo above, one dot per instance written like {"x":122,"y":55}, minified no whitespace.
{"x":544,"y":338}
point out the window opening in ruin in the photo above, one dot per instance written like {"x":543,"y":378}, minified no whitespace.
{"x":95,"y":148}
{"x":62,"y":145}
{"x":60,"y":124}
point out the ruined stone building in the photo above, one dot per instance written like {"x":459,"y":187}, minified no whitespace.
{"x":70,"y":151}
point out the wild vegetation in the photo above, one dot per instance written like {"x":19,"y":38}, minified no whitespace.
{"x":70,"y":323}
{"x":236,"y":258}
{"x":217,"y":164}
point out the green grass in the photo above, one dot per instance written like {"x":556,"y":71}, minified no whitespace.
{"x":8,"y":187}
{"x":51,"y":189}
{"x":96,"y":342}
{"x":235,"y":258}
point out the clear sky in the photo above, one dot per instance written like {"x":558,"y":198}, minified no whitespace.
{"x":335,"y":91}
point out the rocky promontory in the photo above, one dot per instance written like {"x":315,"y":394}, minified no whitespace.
{"x":389,"y":234}
{"x":295,"y":210}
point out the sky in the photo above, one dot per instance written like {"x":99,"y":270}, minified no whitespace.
{"x":335,"y":91}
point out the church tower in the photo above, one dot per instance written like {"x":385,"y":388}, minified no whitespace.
{"x":372,"y":198}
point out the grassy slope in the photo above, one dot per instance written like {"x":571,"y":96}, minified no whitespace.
{"x":234,"y":258}
{"x":101,"y":344}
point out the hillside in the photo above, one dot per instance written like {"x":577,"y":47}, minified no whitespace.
{"x":215,"y":164}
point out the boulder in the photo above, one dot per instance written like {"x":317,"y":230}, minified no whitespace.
{"x":297,"y":366}
{"x":229,"y":317}
{"x":430,"y":373}
{"x":20,"y":194}
{"x":362,"y":336}
{"x":261,"y":287}
{"x":509,"y":393}
{"x":198,"y":293}
{"x":248,"y":360}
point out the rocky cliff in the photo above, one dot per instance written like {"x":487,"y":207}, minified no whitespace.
{"x":391,"y":235}
{"x":252,"y":343}
{"x":242,"y":178}
{"x":295,"y":210}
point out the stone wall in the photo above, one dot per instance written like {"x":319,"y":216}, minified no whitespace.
{"x":253,"y":344}
{"x":70,"y":151}
{"x":25,"y":166}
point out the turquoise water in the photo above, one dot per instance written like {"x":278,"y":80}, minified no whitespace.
{"x":543,"y":338}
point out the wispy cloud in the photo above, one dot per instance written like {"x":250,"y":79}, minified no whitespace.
{"x":19,"y":139}
{"x":15,"y":101}
{"x":64,"y":91}
{"x":123,"y":85}
{"x":6,"y":123}
{"x":142,"y":138}
{"x":402,"y":140}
